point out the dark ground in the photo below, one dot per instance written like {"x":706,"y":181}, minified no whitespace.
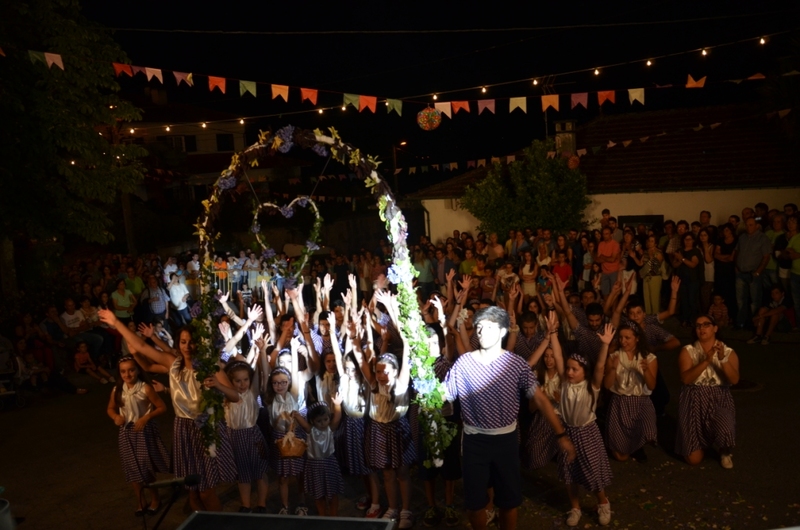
{"x":61,"y":469}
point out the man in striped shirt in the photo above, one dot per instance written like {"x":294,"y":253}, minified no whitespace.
{"x":489,"y":383}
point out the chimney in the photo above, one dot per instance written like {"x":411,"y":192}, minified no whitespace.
{"x":565,"y":136}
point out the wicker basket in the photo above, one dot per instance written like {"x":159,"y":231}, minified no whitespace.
{"x":290,"y":446}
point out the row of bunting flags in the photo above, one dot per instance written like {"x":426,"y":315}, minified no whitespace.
{"x":474,"y":164}
{"x":364,"y":102}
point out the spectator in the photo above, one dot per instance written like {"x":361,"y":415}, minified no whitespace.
{"x":687,"y":263}
{"x":770,"y":276}
{"x":705,"y":218}
{"x":157,"y":299}
{"x":608,"y":256}
{"x":123,"y":301}
{"x":725,"y":267}
{"x":719,"y":311}
{"x":70,"y":328}
{"x":616,"y":232}
{"x":441,"y":267}
{"x":793,"y":252}
{"x":134,"y":282}
{"x":753,"y":251}
{"x":179,"y":295}
{"x":468,"y":264}
{"x":494,"y":250}
{"x":518,"y":246}
{"x":652,"y":276}
{"x":772,"y":315}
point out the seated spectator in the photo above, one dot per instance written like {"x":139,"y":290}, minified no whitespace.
{"x":772,"y":315}
{"x":719,"y":311}
{"x":84,"y":364}
{"x":179,"y":294}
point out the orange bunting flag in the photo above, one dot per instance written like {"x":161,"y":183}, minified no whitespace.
{"x":485,"y":104}
{"x":309,"y":94}
{"x":122,"y":69}
{"x":610,"y":144}
{"x":783,"y":113}
{"x":216,"y":82}
{"x":550,"y":101}
{"x":581,"y":98}
{"x":459,"y":105}
{"x":606,"y":95}
{"x":367,"y":102}
{"x":53,"y":59}
{"x":691,"y":83}
{"x":751,"y":78}
{"x":282,"y":91}
{"x":626,"y":143}
{"x":2,"y":53}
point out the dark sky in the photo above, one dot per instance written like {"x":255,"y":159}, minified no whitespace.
{"x":415,"y":65}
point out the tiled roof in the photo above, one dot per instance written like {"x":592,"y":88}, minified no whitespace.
{"x":746,"y":150}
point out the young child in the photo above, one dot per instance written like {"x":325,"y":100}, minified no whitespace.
{"x":249,"y":447}
{"x":719,"y":311}
{"x":323,"y":478}
{"x":579,"y":395}
{"x":84,"y":364}
{"x":562,"y":269}
{"x":161,"y":333}
{"x":133,"y":404}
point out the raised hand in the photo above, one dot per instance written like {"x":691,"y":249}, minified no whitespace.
{"x":465,"y":282}
{"x":352,"y":281}
{"x":552,"y":322}
{"x":675,"y":285}
{"x":223,"y":297}
{"x":225,"y":329}
{"x":327,"y":283}
{"x":258,"y":331}
{"x":254,"y":313}
{"x":347,"y":298}
{"x":107,"y":316}
{"x":450,"y":275}
{"x":607,"y":335}
{"x":337,"y":398}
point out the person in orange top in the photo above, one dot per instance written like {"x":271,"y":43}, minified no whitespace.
{"x":608,"y":254}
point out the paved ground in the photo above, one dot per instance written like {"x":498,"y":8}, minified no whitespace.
{"x":60,"y":466}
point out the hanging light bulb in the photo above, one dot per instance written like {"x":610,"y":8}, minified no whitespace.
{"x":133,"y":130}
{"x":649,"y":62}
{"x":72,"y":162}
{"x":241,"y":121}
{"x":596,"y":71}
{"x":435,"y":97}
{"x":704,"y":52}
{"x":167,"y":128}
{"x":535,"y":82}
{"x":320,"y":111}
{"x":203,"y":125}
{"x":762,"y":41}
{"x":483,"y":89}
{"x":344,"y":107}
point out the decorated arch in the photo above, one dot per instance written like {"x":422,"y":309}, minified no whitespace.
{"x":429,"y":391}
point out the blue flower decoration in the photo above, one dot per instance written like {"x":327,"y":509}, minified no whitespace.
{"x":286,"y":134}
{"x":286,"y":211}
{"x":256,"y":228}
{"x":310,"y":245}
{"x":398,"y":275}
{"x":424,"y":386}
{"x":201,"y":419}
{"x":268,"y":253}
{"x":196,"y":310}
{"x":290,"y":283}
{"x":320,"y":150}
{"x":302,"y":202}
{"x":226,"y":183}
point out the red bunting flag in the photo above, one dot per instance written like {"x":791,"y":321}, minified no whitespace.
{"x":216,"y":82}
{"x":606,"y":95}
{"x":459,"y":105}
{"x":183,"y":77}
{"x":309,"y":94}
{"x":367,"y":102}
{"x":138,"y":70}
{"x":485,"y":104}
{"x":120,"y":68}
{"x":581,"y":98}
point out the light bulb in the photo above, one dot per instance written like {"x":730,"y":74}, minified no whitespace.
{"x":320,"y":111}
{"x":435,"y":97}
{"x":241,"y":121}
{"x":483,"y":89}
{"x":203,"y":125}
{"x":649,"y":62}
{"x":704,"y":52}
{"x":344,"y":107}
{"x":596,"y":71}
{"x":167,"y":128}
{"x":72,"y":162}
{"x":133,"y":131}
{"x":387,"y":103}
{"x":762,"y":41}
{"x":535,"y":82}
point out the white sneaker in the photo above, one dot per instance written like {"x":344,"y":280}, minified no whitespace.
{"x":726,"y":461}
{"x":283,"y":511}
{"x":573,"y":517}
{"x":604,"y":513}
{"x":390,"y":515}
{"x":406,"y":519}
{"x":301,"y":510}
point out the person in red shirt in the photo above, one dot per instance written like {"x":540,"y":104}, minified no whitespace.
{"x":608,"y":254}
{"x":562,"y":269}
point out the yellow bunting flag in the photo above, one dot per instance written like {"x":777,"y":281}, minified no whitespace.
{"x":518,"y":103}
{"x":636,"y":94}
{"x":550,"y":101}
{"x":282,"y":91}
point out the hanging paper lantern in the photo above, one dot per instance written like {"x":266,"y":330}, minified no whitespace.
{"x":428,"y":119}
{"x":573,"y":162}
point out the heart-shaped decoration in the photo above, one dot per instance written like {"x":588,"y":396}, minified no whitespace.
{"x":287,"y":210}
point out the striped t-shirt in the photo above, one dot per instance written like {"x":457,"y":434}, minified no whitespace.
{"x":489,"y":394}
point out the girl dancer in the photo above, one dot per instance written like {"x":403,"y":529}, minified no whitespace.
{"x":706,"y":414}
{"x":631,"y":377}
{"x":323,"y":478}
{"x":579,"y":394}
{"x":132,"y":405}
{"x":189,"y":454}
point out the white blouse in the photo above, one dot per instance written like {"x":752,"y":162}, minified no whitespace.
{"x":242,"y":414}
{"x":326,"y":388}
{"x":630,"y":376}
{"x":577,"y":406}
{"x":321,"y":444}
{"x":709,"y":377}
{"x":550,"y":387}
{"x":383,"y":410}
{"x":353,"y":401}
{"x":185,"y":390}
{"x":135,"y":402}
{"x":280,"y":412}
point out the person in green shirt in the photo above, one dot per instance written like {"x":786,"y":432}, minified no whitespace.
{"x":793,"y":252}
{"x":134,"y":283}
{"x":466,"y":266}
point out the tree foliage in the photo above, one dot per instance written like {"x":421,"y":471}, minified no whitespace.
{"x":62,"y":164}
{"x":534,"y":191}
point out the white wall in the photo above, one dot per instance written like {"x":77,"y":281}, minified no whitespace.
{"x":675,"y":205}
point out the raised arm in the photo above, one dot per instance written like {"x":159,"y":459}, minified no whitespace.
{"x":675,"y":285}
{"x":221,"y":382}
{"x":599,"y":370}
{"x":164,"y":359}
{"x":269,"y":317}
{"x":223,"y":299}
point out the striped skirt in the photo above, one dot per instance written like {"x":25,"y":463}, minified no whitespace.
{"x":349,"y":443}
{"x":142,"y":453}
{"x":540,"y":445}
{"x":323,"y":478}
{"x":285,"y":466}
{"x":250,"y":454}
{"x":706,"y":418}
{"x":389,"y":445}
{"x":189,"y":455}
{"x":631,"y":423}
{"x":590,"y":468}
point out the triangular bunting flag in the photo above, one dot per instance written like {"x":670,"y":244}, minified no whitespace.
{"x":424,"y":169}
{"x":183,"y":77}
{"x":309,"y":94}
{"x":37,"y":56}
{"x":350,"y":99}
{"x":510,"y":158}
{"x":470,"y":163}
{"x":444,"y":108}
{"x":53,"y":59}
{"x":485,"y":104}
{"x":610,"y":144}
{"x":367,"y":102}
{"x":734,"y":81}
{"x":398,"y":170}
{"x":495,"y":160}
{"x":155,"y":72}
{"x":636,"y":94}
{"x":751,"y":78}
{"x":626,"y":143}
{"x":412,"y":171}
{"x":120,"y":68}
{"x":282,"y":91}
{"x":581,"y":98}
{"x":606,"y":95}
{"x":580,"y":152}
{"x":550,"y":101}
{"x":394,"y":105}
{"x":692,"y":83}
{"x":714,"y":125}
{"x":2,"y":53}
{"x":247,"y":86}
{"x":698,"y":128}
{"x":518,"y":103}
{"x":662,"y":133}
{"x":342,"y":178}
{"x":551,"y":154}
{"x":348,"y":199}
{"x":783,"y":113}
{"x":321,"y":198}
{"x":595,"y":149}
{"x":459,"y":105}
{"x":793,"y":72}
{"x":482,"y":162}
{"x":138,"y":70}
{"x":453,"y":165}
{"x":436,"y":167}
{"x":216,"y":82}
{"x":643,"y":139}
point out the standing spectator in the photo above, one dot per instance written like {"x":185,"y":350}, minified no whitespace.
{"x":753,"y":251}
{"x":706,"y":247}
{"x":494,"y":250}
{"x":178,"y":295}
{"x":608,"y":254}
{"x":134,"y":282}
{"x":466,"y":266}
{"x":705,"y":219}
{"x":123,"y":301}
{"x":518,"y":246}
{"x":170,"y":267}
{"x":725,"y":268}
{"x":652,"y":262}
{"x":770,"y":276}
{"x":687,"y":262}
{"x":441,"y":268}
{"x":616,"y":233}
{"x":793,"y":252}
{"x":157,"y":300}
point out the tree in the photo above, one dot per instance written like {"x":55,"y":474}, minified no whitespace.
{"x":64,"y":159}
{"x":535,"y":191}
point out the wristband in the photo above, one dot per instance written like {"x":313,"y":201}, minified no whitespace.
{"x":515,"y":329}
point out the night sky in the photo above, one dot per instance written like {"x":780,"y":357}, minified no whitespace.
{"x":415,"y":65}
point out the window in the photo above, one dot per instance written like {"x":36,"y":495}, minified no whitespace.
{"x":175,"y":142}
{"x":190,"y":143}
{"x":224,"y":142}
